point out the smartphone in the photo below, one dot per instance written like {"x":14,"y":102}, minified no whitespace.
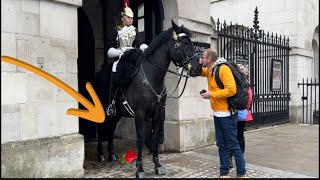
{"x":203,"y":91}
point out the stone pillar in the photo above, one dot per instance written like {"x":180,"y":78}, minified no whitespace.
{"x":189,"y":120}
{"x":38,"y":138}
{"x":302,"y":60}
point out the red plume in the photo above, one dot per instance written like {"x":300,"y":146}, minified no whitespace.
{"x":126,"y":3}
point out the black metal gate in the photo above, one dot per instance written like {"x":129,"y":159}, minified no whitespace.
{"x":310,"y":102}
{"x":266,"y":55}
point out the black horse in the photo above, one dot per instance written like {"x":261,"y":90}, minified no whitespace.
{"x":147,"y":95}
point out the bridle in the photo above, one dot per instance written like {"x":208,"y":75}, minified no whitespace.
{"x":186,"y":65}
{"x":186,"y":61}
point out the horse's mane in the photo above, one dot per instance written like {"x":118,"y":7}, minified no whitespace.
{"x":163,"y":37}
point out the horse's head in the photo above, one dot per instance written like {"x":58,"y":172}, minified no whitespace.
{"x":182,"y":52}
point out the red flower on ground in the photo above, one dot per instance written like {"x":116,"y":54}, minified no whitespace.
{"x":129,"y":156}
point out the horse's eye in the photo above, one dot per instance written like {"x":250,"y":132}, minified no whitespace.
{"x":186,"y":42}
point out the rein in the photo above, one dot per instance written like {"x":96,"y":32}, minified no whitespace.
{"x":149,"y":87}
{"x":169,"y":70}
{"x":163,"y":92}
{"x":184,"y":86}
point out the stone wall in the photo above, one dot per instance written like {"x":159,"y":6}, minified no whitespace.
{"x":43,"y":158}
{"x":44,"y":34}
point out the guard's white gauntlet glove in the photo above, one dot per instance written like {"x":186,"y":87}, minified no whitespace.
{"x":143,"y":47}
{"x":113,"y":52}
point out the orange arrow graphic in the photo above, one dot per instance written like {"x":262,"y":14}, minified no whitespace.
{"x":94,"y":113}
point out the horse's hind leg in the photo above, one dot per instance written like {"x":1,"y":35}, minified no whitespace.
{"x":139,"y":122}
{"x":157,"y":125}
{"x":101,"y":157}
{"x":111,"y":127}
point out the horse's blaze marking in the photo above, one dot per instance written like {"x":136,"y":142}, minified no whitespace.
{"x":94,"y":113}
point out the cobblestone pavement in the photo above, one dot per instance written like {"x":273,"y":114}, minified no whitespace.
{"x":178,"y":165}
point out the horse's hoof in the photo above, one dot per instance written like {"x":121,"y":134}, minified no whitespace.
{"x":101,"y":158}
{"x":160,"y":171}
{"x":140,"y":175}
{"x":112,"y":158}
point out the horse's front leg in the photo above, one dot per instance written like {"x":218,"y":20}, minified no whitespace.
{"x":157,"y":127}
{"x":139,"y":122}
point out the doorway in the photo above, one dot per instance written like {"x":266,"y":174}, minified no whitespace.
{"x":149,"y":21}
{"x":86,"y":69}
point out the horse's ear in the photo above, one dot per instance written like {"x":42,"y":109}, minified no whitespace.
{"x":175,"y":27}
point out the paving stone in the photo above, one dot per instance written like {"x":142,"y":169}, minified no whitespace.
{"x":177,"y":165}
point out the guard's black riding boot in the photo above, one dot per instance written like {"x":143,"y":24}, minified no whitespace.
{"x":111,"y":110}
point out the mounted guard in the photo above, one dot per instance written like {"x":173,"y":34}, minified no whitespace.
{"x":125,"y":37}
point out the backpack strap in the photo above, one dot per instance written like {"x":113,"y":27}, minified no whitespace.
{"x":219,"y":82}
{"x":217,"y":77}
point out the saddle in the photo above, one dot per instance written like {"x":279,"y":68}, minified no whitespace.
{"x":126,"y":67}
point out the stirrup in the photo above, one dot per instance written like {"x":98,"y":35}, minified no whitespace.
{"x":111,"y":110}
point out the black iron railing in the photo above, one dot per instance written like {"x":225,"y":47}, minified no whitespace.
{"x":266,"y":56}
{"x":309,"y":101}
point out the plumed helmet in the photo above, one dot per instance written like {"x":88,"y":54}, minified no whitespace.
{"x":127,"y":10}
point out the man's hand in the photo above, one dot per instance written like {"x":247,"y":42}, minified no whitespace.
{"x":206,"y":95}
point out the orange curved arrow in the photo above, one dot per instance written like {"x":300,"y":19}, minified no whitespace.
{"x":94,"y":113}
